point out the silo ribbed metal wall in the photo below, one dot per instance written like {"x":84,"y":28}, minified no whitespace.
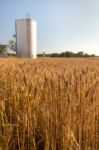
{"x":26,"y":34}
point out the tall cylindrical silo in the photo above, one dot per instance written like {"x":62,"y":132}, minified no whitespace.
{"x":26,"y":38}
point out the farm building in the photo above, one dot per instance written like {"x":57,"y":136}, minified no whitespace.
{"x":10,"y":52}
{"x":26,"y":38}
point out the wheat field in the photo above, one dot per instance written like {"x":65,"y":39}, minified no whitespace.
{"x":49,"y":104}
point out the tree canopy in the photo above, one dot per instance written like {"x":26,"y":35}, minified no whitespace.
{"x":12,"y":43}
{"x":68,"y":54}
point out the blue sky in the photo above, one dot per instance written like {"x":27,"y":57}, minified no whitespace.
{"x":62,"y":24}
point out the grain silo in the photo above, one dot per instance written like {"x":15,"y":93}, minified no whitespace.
{"x":26,"y":38}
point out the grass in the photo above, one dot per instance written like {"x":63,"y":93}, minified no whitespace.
{"x":49,"y":104}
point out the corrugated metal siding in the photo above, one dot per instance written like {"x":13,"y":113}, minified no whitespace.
{"x":26,"y":38}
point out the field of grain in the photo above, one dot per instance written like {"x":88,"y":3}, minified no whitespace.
{"x":49,"y":104}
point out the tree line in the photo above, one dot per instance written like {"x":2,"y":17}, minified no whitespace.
{"x":67,"y":54}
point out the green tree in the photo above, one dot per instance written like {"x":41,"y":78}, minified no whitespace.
{"x":2,"y":48}
{"x":80,"y":54}
{"x":12,"y":43}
